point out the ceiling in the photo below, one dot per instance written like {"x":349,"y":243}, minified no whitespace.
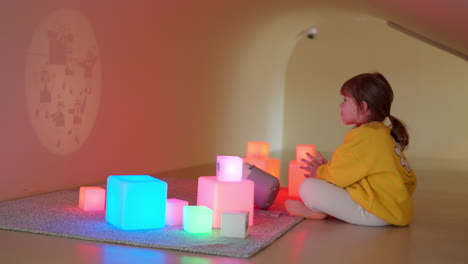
{"x":443,"y":23}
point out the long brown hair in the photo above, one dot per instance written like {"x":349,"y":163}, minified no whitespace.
{"x":375,"y":90}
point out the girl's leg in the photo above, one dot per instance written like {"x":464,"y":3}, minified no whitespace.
{"x":322,"y":196}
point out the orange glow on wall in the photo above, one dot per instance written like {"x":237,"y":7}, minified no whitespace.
{"x":92,"y":198}
{"x":221,"y":196}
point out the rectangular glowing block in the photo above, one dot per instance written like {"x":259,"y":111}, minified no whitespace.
{"x":136,"y":202}
{"x":175,"y":211}
{"x":258,"y":150}
{"x":92,"y":199}
{"x":197,"y":219}
{"x":223,"y":196}
{"x":234,"y":224}
{"x":229,"y":168}
{"x":301,"y":151}
{"x":270,"y":165}
{"x":295,"y":177}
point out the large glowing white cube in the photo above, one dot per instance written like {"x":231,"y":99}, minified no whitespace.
{"x":229,"y":168}
{"x":223,"y":196}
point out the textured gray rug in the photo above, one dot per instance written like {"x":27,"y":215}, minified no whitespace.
{"x":58,"y":214}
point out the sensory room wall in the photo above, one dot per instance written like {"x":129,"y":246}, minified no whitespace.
{"x":145,"y":87}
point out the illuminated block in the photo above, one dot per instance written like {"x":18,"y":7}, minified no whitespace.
{"x":258,"y":150}
{"x":295,"y":178}
{"x":197,"y":219}
{"x":234,"y":224}
{"x":301,"y":151}
{"x":175,"y":211}
{"x":92,"y":198}
{"x":229,"y":168}
{"x":272,"y":166}
{"x":223,"y":196}
{"x":136,"y":202}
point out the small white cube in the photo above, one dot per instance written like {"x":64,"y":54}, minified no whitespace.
{"x":234,"y":224}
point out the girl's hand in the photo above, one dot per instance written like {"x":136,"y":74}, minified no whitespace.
{"x":312,"y":164}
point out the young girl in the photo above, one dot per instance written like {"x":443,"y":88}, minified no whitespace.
{"x":368,"y":181}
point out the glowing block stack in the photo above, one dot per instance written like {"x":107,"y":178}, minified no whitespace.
{"x":234,"y":224}
{"x":296,"y":174}
{"x":226,"y":191}
{"x":92,"y":199}
{"x":258,"y":154}
{"x":175,"y":211}
{"x":136,"y":202}
{"x":197,"y":219}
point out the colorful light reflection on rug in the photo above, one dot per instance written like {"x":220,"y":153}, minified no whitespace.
{"x":57,"y":214}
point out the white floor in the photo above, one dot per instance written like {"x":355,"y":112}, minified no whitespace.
{"x":439,"y":234}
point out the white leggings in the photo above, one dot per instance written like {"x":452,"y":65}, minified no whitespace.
{"x":322,"y":196}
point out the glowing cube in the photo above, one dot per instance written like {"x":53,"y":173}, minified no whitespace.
{"x":258,"y":150}
{"x":229,"y":168}
{"x":301,"y":151}
{"x":223,"y":196}
{"x":136,"y":202}
{"x":197,"y":219}
{"x":234,"y":224}
{"x":272,"y":166}
{"x":175,"y":211}
{"x":295,"y":177}
{"x":92,"y":198}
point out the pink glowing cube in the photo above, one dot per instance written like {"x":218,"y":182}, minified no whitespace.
{"x":229,"y":168}
{"x":92,"y":198}
{"x":175,"y":211}
{"x":258,"y":150}
{"x":223,"y":196}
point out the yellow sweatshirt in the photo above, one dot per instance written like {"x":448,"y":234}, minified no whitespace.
{"x":375,"y":172}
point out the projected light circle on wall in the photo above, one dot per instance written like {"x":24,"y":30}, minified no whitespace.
{"x":63,"y":80}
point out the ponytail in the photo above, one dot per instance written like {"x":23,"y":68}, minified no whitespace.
{"x":399,"y":132}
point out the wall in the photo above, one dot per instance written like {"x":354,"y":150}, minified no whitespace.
{"x":179,"y":85}
{"x":183,"y":82}
{"x":428,"y":83}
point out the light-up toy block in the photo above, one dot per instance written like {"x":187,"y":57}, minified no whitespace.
{"x":225,"y":196}
{"x":136,"y":202}
{"x":197,"y":219}
{"x":295,"y":173}
{"x":234,"y":224}
{"x":92,"y":199}
{"x":258,"y":154}
{"x":229,"y":168}
{"x":226,"y":191}
{"x":175,"y":211}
